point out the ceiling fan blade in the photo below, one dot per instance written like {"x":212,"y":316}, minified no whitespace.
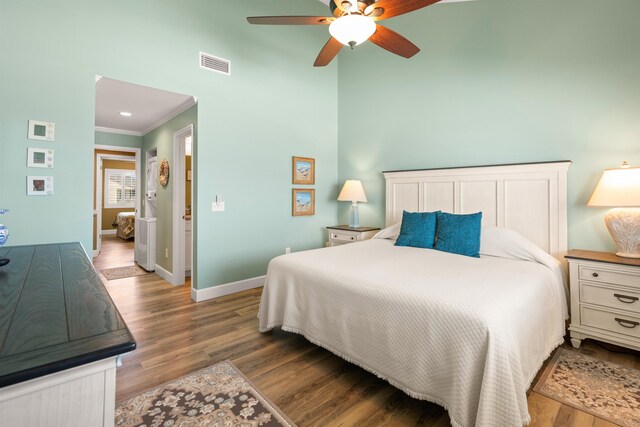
{"x":328,"y":52}
{"x":393,"y":42}
{"x":290,"y":20}
{"x":400,"y":7}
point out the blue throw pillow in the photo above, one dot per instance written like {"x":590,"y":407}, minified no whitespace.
{"x":418,"y":230}
{"x":459,"y":234}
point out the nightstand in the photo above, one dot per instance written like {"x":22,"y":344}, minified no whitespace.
{"x":342,"y":234}
{"x":605,"y":298}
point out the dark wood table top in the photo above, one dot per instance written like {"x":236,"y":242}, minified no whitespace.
{"x":55,"y":313}
{"x":347,"y":228}
{"x":601,"y":257}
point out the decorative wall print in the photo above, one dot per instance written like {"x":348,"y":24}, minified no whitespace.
{"x":40,"y":157}
{"x":304,"y":170}
{"x":303,"y":201}
{"x":40,"y":186}
{"x":41,"y":131}
{"x":164,"y":173}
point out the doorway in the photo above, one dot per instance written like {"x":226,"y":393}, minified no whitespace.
{"x":182,"y":206}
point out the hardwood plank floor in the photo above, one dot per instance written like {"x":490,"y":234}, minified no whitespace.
{"x":313,"y":387}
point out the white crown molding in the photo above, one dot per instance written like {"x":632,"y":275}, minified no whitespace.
{"x":118,"y":131}
{"x":188,"y":103}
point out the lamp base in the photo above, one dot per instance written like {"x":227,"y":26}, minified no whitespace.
{"x":354,"y":222}
{"x":624,"y":226}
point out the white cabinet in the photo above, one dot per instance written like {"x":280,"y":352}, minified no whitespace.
{"x":342,"y":234}
{"x":605,"y":298}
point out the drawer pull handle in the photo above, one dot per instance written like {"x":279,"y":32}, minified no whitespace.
{"x":626,"y":298}
{"x":595,"y":274}
{"x":624,"y":323}
{"x":352,"y":238}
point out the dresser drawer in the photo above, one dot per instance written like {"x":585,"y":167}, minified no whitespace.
{"x":595,"y":274}
{"x":343,"y":238}
{"x":600,"y":295}
{"x":609,"y":321}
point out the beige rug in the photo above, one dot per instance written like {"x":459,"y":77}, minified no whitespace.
{"x":603,"y":389}
{"x":123,"y":272}
{"x":217,"y":396}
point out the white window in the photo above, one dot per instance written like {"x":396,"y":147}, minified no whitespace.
{"x":119,"y":188}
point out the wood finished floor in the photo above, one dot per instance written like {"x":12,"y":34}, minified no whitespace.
{"x":313,"y":387}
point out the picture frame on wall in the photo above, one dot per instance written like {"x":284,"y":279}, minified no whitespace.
{"x":303,"y":201}
{"x":40,"y":186}
{"x":39,"y":157}
{"x":304,"y":170}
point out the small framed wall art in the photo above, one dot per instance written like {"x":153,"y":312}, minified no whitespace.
{"x":40,"y":157}
{"x":40,"y":186}
{"x":41,"y":131}
{"x":304,"y":170}
{"x":303,"y":201}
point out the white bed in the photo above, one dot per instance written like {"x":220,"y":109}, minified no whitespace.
{"x":467,"y":333}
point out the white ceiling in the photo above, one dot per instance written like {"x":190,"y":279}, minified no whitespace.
{"x":150,"y":107}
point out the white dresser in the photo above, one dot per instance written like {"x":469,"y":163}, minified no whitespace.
{"x":342,"y":234}
{"x":605,"y":298}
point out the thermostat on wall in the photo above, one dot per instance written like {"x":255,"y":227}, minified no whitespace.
{"x":42,"y":131}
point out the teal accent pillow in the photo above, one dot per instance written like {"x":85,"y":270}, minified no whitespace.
{"x":459,"y":233}
{"x":418,"y":230}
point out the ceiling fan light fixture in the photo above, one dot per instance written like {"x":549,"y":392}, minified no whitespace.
{"x":351,"y":30}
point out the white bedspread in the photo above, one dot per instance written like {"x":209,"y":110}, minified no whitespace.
{"x":469,"y":334}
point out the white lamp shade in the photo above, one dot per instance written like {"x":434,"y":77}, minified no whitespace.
{"x":617,"y":188}
{"x":352,"y":29}
{"x":352,"y":191}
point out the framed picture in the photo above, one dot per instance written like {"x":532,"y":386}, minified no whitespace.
{"x":304,"y":170}
{"x":39,"y":185}
{"x":41,"y":131}
{"x":303,"y":201}
{"x":40,"y":157}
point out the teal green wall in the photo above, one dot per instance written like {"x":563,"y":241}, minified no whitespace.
{"x":119,"y":140}
{"x":161,"y":139}
{"x":497,"y":81}
{"x":273,"y":106}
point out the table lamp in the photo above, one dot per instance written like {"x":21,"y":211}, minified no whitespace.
{"x":620,"y":188}
{"x":353,"y":192}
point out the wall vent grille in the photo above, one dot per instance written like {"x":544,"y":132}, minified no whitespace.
{"x":214,"y":63}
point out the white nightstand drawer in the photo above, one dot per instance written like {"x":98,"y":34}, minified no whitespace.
{"x":614,"y":298}
{"x":604,"y":275}
{"x":346,"y":238}
{"x":610,"y":321}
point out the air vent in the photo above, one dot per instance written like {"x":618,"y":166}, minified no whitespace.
{"x":213,"y":63}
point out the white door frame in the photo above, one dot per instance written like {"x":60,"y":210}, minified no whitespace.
{"x":179,"y":183}
{"x":98,"y":180}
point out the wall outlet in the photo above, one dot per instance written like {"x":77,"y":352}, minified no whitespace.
{"x":166,"y":252}
{"x":217,"y":207}
{"x":287,"y":250}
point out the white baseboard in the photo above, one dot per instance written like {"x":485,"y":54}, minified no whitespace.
{"x":199,"y":295}
{"x":108,"y":232}
{"x":165,"y":274}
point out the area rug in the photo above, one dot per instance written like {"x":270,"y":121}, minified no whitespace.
{"x":123,"y":272}
{"x":603,"y":389}
{"x":217,"y":396}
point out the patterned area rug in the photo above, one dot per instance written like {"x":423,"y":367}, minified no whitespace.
{"x":123,"y":272}
{"x":604,"y":389}
{"x":217,"y":396}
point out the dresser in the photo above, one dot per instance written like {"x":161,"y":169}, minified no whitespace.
{"x":60,"y":336}
{"x":605,"y":298}
{"x":343,"y":234}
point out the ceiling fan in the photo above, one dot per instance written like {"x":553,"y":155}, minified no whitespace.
{"x":353,"y":22}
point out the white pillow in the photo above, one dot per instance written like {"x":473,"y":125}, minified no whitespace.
{"x":389,"y":233}
{"x":506,"y":243}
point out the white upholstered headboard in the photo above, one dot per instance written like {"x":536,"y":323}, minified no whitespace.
{"x":530,"y":198}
